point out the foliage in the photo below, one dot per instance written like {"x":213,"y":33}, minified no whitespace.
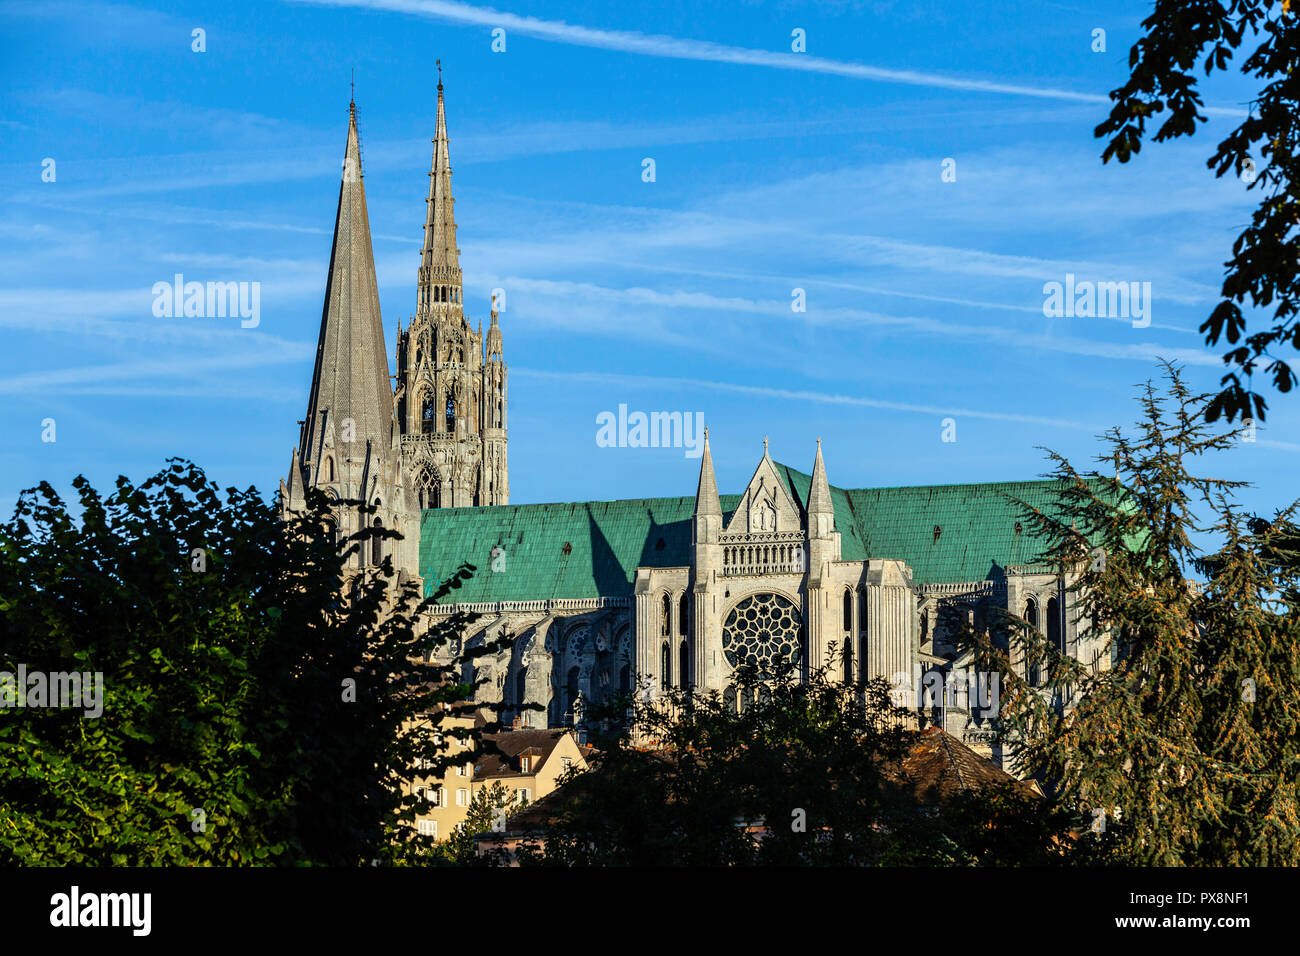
{"x":483,"y":815}
{"x":1175,"y":734}
{"x":238,"y":681}
{"x":1266,"y":256}
{"x":801,"y":774}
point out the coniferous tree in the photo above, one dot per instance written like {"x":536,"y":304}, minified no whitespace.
{"x":1174,"y":737}
{"x":487,"y":810}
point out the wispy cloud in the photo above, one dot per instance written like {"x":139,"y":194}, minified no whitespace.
{"x":801,"y":395}
{"x":85,"y":377}
{"x":597,"y":310}
{"x":659,"y":45}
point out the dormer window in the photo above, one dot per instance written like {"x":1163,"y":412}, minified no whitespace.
{"x":526,"y":764}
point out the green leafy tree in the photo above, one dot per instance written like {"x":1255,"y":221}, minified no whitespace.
{"x":1261,"y":150}
{"x":1176,"y":740}
{"x":485,"y":811}
{"x":252,"y":711}
{"x":800,"y":774}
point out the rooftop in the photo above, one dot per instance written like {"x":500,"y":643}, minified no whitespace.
{"x":589,"y":549}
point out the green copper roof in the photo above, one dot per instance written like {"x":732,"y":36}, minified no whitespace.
{"x":591,"y":549}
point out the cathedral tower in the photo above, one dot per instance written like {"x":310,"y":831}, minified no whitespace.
{"x":451,"y":382}
{"x":347,"y":445}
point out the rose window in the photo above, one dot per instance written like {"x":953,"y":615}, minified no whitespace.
{"x":763,"y":630}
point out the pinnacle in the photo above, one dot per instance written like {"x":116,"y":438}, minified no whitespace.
{"x":706,"y":495}
{"x":819,"y":492}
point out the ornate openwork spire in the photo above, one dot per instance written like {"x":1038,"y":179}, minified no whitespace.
{"x":440,"y":276}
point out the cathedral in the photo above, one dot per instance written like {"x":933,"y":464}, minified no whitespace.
{"x":605,"y":597}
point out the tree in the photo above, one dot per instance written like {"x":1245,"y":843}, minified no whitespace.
{"x":1265,"y":257}
{"x":1177,"y":739}
{"x":251,"y":712}
{"x":486,"y":810}
{"x":800,"y":774}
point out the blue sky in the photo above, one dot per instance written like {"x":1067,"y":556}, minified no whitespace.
{"x":774,"y":171}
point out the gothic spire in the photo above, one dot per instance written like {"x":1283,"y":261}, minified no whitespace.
{"x":440,"y":276}
{"x":706,"y":495}
{"x":351,"y":401}
{"x":819,"y":492}
{"x":493,"y":344}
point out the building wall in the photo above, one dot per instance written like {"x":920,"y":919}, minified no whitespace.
{"x":447,"y":813}
{"x":681,"y":625}
{"x":540,"y":781}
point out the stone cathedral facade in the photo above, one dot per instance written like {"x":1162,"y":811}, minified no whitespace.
{"x":603,"y":597}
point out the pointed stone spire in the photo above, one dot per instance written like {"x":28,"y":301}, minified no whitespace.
{"x":440,"y":275}
{"x":706,"y":495}
{"x":819,"y":492}
{"x":351,"y":400}
{"x":494,"y":346}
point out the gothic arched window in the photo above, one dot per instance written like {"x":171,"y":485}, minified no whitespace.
{"x":683,"y":615}
{"x":428,"y":415}
{"x":848,"y":610}
{"x":572,"y":688}
{"x":684,"y":664}
{"x":666,"y":670}
{"x":430,"y":495}
{"x":451,"y":413}
{"x":1054,"y":624}
{"x":377,"y":545}
{"x":1031,"y":616}
{"x":665,"y":615}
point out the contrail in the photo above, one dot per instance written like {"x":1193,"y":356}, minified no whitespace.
{"x":648,"y":44}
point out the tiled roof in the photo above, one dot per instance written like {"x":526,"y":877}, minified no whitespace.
{"x":512,"y":744}
{"x":590,"y":549}
{"x":938,"y":766}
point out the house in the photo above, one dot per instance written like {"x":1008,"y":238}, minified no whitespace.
{"x":528,"y":762}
